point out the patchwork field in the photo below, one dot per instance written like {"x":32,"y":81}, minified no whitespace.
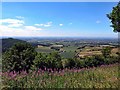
{"x":71,"y":51}
{"x":89,"y":51}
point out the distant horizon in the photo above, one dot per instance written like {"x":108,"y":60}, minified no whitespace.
{"x":63,"y":37}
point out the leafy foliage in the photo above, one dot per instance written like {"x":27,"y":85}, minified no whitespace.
{"x":19,"y":57}
{"x":69,"y":63}
{"x":114,"y":16}
{"x":106,"y":52}
{"x":52,"y":60}
{"x":39,"y":61}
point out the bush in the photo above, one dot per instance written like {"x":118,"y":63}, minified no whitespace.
{"x":65,"y":63}
{"x":89,"y":62}
{"x":92,"y":61}
{"x":111,"y":60}
{"x":52,"y":60}
{"x":98,"y":60}
{"x":68,"y":63}
{"x":19,"y":57}
{"x":106,"y":51}
{"x":71,"y":63}
{"x":80,"y":63}
{"x":40,"y":61}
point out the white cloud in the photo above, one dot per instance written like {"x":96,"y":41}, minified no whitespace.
{"x":19,"y":17}
{"x":15,"y":27}
{"x":31,"y":28}
{"x":23,"y":31}
{"x":45,"y":25}
{"x":39,"y":24}
{"x":48,"y":24}
{"x":98,"y":21}
{"x":60,"y":24}
{"x":12,"y":22}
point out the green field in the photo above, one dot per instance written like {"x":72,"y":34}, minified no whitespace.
{"x":70,"y":48}
{"x":67,"y":54}
{"x":69,"y":51}
{"x":101,"y":77}
{"x":44,"y":50}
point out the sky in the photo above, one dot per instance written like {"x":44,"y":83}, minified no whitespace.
{"x":56,"y":19}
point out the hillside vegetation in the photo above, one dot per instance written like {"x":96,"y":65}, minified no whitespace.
{"x":23,"y":67}
{"x":105,"y":76}
{"x":9,"y":42}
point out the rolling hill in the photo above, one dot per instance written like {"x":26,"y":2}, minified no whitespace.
{"x":9,"y":42}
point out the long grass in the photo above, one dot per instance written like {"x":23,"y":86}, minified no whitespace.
{"x":105,"y":76}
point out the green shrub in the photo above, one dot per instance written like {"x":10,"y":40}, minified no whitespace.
{"x":71,"y":63}
{"x":19,"y":57}
{"x":80,"y":63}
{"x":106,"y":51}
{"x":52,"y":60}
{"x":98,"y":60}
{"x":89,"y":62}
{"x":40,"y":61}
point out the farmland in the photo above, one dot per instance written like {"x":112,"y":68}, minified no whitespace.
{"x":70,"y":47}
{"x":55,"y":65}
{"x":105,"y":76}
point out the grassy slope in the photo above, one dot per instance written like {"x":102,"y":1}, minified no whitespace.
{"x":100,"y":77}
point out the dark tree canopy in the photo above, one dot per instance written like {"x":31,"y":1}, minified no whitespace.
{"x":19,"y":57}
{"x":52,"y":60}
{"x":114,"y":16}
{"x":9,"y":42}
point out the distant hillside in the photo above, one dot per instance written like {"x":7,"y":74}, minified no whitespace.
{"x":9,"y":42}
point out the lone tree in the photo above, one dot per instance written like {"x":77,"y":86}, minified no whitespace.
{"x":19,"y":57}
{"x":114,"y":16}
